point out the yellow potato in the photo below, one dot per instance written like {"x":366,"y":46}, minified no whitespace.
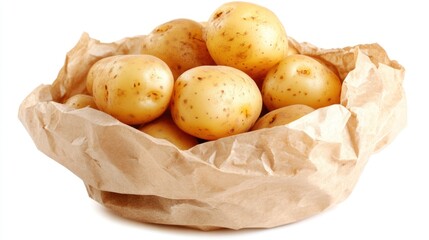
{"x":300,"y":79}
{"x":135,"y":89}
{"x":211,"y":102}
{"x":180,"y":44}
{"x":246,"y":36}
{"x":282,"y":116}
{"x":80,"y":101}
{"x":164,"y":127}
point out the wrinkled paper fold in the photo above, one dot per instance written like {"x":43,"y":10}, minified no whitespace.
{"x":258,"y":179}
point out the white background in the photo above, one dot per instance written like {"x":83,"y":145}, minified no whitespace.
{"x":40,"y":199}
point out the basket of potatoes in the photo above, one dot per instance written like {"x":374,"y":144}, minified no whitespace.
{"x":228,"y":123}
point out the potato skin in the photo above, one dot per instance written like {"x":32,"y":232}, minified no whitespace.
{"x":80,"y":101}
{"x":165,"y":128}
{"x":300,"y":79}
{"x":180,"y":44}
{"x":135,"y":89}
{"x":246,"y":36}
{"x":282,"y":116}
{"x":211,"y":102}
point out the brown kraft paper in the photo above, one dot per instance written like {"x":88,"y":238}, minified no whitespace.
{"x":258,"y":179}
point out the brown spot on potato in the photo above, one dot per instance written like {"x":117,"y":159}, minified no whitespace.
{"x":241,"y":55}
{"x":120,"y":92}
{"x":272,"y":119}
{"x":163,"y":28}
{"x":245,"y":112}
{"x":303,"y":71}
{"x":217,"y":15}
{"x":153,"y":95}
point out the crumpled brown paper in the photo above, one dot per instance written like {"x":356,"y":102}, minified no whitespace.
{"x":258,"y":179}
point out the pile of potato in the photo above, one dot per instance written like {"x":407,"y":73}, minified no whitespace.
{"x":203,"y":81}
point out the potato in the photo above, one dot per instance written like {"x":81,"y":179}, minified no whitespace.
{"x":135,"y":89}
{"x":300,"y":79}
{"x":211,"y":102}
{"x":180,"y":44}
{"x":282,"y":116}
{"x":164,"y":128}
{"x":247,"y":37}
{"x":80,"y":101}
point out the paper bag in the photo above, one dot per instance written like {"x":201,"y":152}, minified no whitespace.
{"x":258,"y":179}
